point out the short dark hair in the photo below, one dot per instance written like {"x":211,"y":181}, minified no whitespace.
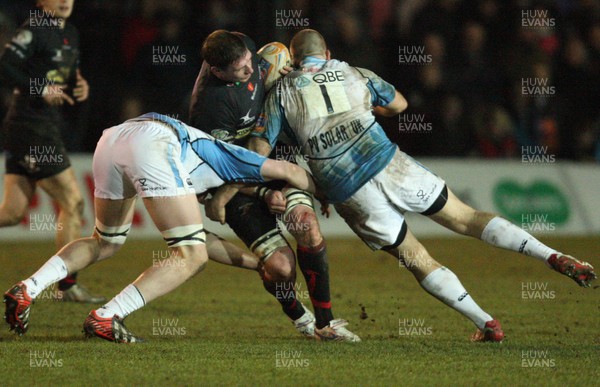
{"x":221,"y":48}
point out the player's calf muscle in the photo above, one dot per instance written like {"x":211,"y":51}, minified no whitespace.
{"x":472,"y":223}
{"x":83,"y":252}
{"x":106,"y":249}
{"x":480,"y":220}
{"x":75,"y":206}
{"x":11,"y":216}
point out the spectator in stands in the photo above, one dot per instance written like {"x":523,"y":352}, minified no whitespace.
{"x":495,"y":132}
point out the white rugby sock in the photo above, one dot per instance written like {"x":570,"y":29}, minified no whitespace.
{"x":501,"y":233}
{"x":123,"y":304}
{"x":52,"y":271}
{"x":444,"y":285}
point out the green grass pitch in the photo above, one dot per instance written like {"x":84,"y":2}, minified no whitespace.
{"x":222,"y":328}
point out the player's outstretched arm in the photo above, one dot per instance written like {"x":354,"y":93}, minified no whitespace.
{"x":271,"y":170}
{"x":226,"y":253}
{"x":259,"y":145}
{"x":295,"y":175}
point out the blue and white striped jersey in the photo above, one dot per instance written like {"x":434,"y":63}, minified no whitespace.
{"x":325,"y":107}
{"x":209,"y":161}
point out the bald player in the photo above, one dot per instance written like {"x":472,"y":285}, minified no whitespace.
{"x":327,"y":107}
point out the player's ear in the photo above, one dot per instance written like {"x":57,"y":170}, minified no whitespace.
{"x":327,"y":54}
{"x":217,"y":72}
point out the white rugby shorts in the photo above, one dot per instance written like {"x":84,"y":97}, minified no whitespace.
{"x":140,"y":158}
{"x":375,"y":211}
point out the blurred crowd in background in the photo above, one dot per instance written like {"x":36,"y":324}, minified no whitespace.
{"x":495,"y":77}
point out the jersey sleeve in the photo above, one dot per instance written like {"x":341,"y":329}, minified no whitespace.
{"x":271,"y":121}
{"x":382,"y":92}
{"x":230,"y":162}
{"x":19,"y":50}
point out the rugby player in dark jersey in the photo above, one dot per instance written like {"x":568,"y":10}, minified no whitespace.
{"x":41,"y":65}
{"x":226,"y":101}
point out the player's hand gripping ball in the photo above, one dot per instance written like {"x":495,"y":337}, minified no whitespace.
{"x":275,"y":56}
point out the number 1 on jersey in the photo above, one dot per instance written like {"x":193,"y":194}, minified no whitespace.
{"x":323,"y":100}
{"x":327,"y":99}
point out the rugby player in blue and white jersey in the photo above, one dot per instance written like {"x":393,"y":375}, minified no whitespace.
{"x":162,"y":161}
{"x":327,"y":107}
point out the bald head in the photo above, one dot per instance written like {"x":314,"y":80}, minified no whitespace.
{"x":307,"y":43}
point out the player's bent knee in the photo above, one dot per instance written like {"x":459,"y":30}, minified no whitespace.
{"x":190,"y":244}
{"x":192,"y":234}
{"x":116,"y":235}
{"x":301,"y":220}
{"x":280,"y":266}
{"x":194,"y":257}
{"x":267,"y":244}
{"x":110,"y":238}
{"x":305,"y":226}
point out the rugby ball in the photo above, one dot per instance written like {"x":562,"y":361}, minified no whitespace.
{"x":274,"y":56}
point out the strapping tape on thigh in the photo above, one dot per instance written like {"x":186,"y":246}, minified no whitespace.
{"x":296,"y":197}
{"x":113,"y":234}
{"x":264,"y":246}
{"x":192,"y":234}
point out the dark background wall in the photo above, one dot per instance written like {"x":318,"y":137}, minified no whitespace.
{"x":485,"y":79}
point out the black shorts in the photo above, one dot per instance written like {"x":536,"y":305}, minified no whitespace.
{"x":249,"y":218}
{"x":35,"y":150}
